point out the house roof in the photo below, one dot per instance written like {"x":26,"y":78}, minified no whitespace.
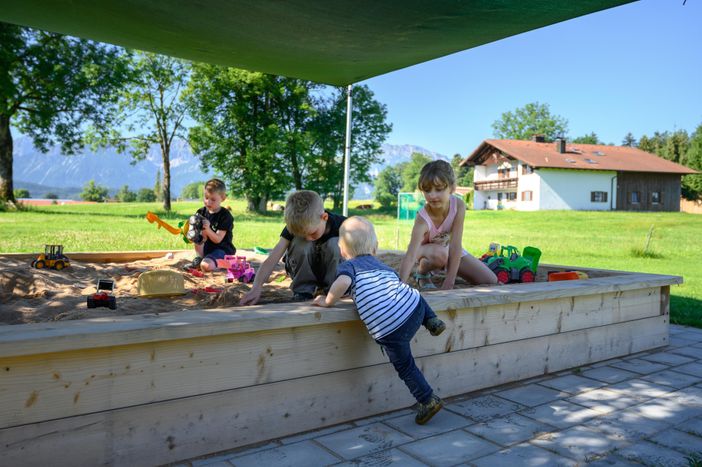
{"x":331,"y":41}
{"x":576,"y":156}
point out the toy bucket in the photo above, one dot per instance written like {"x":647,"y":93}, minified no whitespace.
{"x":161,"y":283}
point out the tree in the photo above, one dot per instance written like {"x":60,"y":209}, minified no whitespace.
{"x":676,"y":146}
{"x":369,"y":129}
{"x":590,"y":138}
{"x":388,"y":185}
{"x":692,"y":184}
{"x":655,"y":144}
{"x":532,"y":119}
{"x":50,"y":86}
{"x":125,"y":195}
{"x":193,"y":190}
{"x":410,"y":171}
{"x":464,"y":175}
{"x":146,"y":195}
{"x":157,"y":186}
{"x":21,"y":193}
{"x":236,"y":130}
{"x":93,"y":192}
{"x":150,"y":112}
{"x":629,"y":140}
{"x":51,"y":196}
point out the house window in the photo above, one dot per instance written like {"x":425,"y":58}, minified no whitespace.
{"x":526,"y":195}
{"x":634,"y":197}
{"x":655,"y":197}
{"x":527,"y":169}
{"x":511,"y":196}
{"x":499,"y":196}
{"x":503,"y":173}
{"x":598,"y":196}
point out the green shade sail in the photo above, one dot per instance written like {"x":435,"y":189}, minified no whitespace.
{"x":329,"y":41}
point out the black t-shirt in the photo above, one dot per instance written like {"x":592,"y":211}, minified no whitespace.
{"x":332,"y":230}
{"x":221,"y":220}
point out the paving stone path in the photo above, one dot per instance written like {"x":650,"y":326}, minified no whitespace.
{"x":642,"y":409}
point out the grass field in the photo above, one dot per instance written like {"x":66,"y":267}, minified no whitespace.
{"x":607,"y":240}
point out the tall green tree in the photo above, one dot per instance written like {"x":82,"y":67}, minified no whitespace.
{"x":388,"y":185}
{"x":410,"y":171}
{"x":125,"y":195}
{"x":369,"y":129}
{"x":150,"y":112}
{"x":93,"y":192}
{"x":692,"y":184}
{"x":158,"y":190}
{"x":590,"y":138}
{"x":237,"y":131}
{"x":194,"y":190}
{"x":629,"y":140}
{"x":51,"y":86}
{"x":464,"y":175}
{"x":532,"y":119}
{"x":654,"y":144}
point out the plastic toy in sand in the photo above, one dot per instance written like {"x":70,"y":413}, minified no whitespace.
{"x":510,"y":266}
{"x":237,"y":269}
{"x":52,"y":257}
{"x":190,"y":230}
{"x":103,"y":295}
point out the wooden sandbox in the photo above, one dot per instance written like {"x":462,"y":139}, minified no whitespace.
{"x":138,"y":390}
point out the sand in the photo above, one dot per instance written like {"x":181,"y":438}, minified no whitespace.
{"x":29,"y":295}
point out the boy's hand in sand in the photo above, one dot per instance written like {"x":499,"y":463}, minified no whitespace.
{"x":251,"y":298}
{"x":321,"y":300}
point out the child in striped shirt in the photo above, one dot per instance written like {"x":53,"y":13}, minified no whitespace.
{"x":391,"y":310}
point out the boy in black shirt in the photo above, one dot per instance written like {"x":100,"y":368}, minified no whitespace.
{"x":217,"y":225}
{"x":310,"y":243}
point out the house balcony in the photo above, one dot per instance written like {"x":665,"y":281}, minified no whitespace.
{"x":491,"y":185}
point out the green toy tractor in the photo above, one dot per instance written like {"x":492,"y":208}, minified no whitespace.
{"x":510,"y":266}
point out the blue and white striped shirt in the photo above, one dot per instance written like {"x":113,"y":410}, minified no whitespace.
{"x":384,"y":303}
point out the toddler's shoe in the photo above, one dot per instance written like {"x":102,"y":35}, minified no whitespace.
{"x":195,"y":264}
{"x":302,"y":296}
{"x":435,"y":326}
{"x":428,"y":410}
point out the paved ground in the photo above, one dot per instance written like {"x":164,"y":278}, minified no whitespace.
{"x":642,"y":409}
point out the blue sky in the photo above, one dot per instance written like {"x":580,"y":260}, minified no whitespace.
{"x":634,"y":68}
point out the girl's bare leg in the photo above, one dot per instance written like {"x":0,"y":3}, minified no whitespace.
{"x":475,"y":271}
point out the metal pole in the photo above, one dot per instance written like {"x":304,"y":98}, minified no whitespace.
{"x":347,"y":151}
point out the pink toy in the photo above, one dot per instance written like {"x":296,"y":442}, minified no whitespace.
{"x":237,"y":268}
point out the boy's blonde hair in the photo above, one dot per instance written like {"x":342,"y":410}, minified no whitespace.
{"x":358,"y":236}
{"x":215,"y":185}
{"x":303,"y":211}
{"x":436,"y":174}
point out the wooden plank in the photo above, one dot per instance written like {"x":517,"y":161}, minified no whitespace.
{"x":169,"y":431}
{"x":102,"y":256}
{"x":85,"y":334}
{"x":71,"y":383}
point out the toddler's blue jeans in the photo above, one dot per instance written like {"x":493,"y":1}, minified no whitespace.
{"x":397,"y":347}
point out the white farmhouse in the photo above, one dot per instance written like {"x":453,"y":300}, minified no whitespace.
{"x":535,"y":175}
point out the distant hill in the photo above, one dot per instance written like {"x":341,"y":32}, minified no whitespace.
{"x":65,"y":176}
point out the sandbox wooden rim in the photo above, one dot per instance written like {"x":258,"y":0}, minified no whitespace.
{"x":26,"y":339}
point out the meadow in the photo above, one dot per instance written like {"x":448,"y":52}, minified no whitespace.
{"x":606,"y":240}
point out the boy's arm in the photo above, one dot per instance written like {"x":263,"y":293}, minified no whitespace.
{"x":264,"y":272}
{"x":214,"y":237}
{"x":336,"y":291}
{"x":455,"y":246}
{"x":418,"y":230}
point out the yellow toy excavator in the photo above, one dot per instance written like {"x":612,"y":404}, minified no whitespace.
{"x":52,"y":257}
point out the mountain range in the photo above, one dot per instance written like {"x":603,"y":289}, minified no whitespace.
{"x":65,"y":176}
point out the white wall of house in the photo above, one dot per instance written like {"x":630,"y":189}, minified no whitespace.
{"x":571,"y":189}
{"x":529,"y":182}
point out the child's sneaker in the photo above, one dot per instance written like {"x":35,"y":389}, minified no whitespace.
{"x":195,"y":264}
{"x":428,"y":410}
{"x":435,"y":326}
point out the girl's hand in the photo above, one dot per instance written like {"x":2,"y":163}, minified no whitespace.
{"x":320,"y":300}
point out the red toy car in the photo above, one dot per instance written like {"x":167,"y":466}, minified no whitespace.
{"x":101,"y":297}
